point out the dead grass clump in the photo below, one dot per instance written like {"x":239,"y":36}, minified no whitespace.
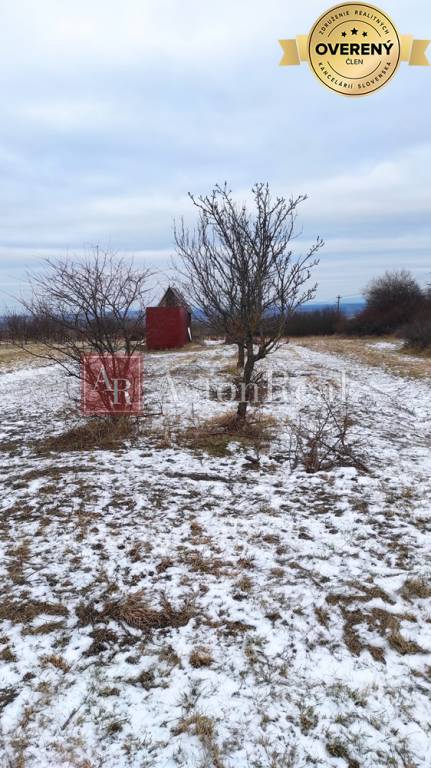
{"x":401,"y":644}
{"x":385,"y":623}
{"x":245,"y":584}
{"x":87,"y":614}
{"x":322,"y":616}
{"x":24,"y":612}
{"x":7,"y":695}
{"x":135,"y":612}
{"x":202,"y":727}
{"x":170,"y":656}
{"x":336,"y":748}
{"x":308,"y":720}
{"x":7,"y":655}
{"x":102,"y":639}
{"x":200,"y":563}
{"x":196,"y":529}
{"x":215,"y":434}
{"x":231,"y":628}
{"x":44,"y":629}
{"x":201,"y":657}
{"x":164,"y":565}
{"x":366,"y":593}
{"x":57,"y":662}
{"x":416,"y":588}
{"x":146,"y":679}
{"x":95,"y":433}
{"x":352,"y":638}
{"x":9,"y":446}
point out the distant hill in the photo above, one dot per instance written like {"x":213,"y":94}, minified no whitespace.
{"x":348,"y":308}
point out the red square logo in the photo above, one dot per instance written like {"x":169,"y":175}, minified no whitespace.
{"x":111,"y":384}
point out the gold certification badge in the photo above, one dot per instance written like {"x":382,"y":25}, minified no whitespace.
{"x":354,"y":49}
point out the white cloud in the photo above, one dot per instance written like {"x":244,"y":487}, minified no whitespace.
{"x":397,"y":185}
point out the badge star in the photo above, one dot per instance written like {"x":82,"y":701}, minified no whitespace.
{"x":364,"y":34}
{"x":344,"y":34}
{"x":354,"y":31}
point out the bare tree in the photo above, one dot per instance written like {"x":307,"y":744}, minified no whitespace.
{"x":93,"y":305}
{"x":240,"y":271}
{"x":17,"y":328}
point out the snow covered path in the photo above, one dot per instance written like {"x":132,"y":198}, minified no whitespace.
{"x":166,"y":607}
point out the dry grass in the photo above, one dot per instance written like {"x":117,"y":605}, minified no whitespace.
{"x":135,"y":612}
{"x":191,"y":348}
{"x":164,"y":564}
{"x":21,"y":612}
{"x":201,"y":657}
{"x":13,"y":354}
{"x":44,"y":629}
{"x":96,"y":433}
{"x":336,"y":748}
{"x":102,"y":639}
{"x":214,"y":435}
{"x":245,"y":584}
{"x":416,"y":588}
{"x":203,"y":728}
{"x":57,"y":662}
{"x":378,"y":620}
{"x":396,"y":361}
{"x":200,"y":563}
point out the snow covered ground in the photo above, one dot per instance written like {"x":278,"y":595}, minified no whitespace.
{"x":164,"y":606}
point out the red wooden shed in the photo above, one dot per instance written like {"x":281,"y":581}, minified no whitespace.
{"x":168,"y":326}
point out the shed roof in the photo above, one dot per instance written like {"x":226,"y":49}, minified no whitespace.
{"x":173,"y":298}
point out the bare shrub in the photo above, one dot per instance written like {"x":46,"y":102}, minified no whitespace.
{"x":321,"y":438}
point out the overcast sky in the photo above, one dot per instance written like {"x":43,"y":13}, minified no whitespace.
{"x":112,"y":110}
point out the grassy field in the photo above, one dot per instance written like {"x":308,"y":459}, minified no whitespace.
{"x":11,"y":356}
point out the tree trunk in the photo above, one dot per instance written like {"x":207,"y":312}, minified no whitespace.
{"x":245,"y":386}
{"x":241,"y":356}
{"x":241,"y":411}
